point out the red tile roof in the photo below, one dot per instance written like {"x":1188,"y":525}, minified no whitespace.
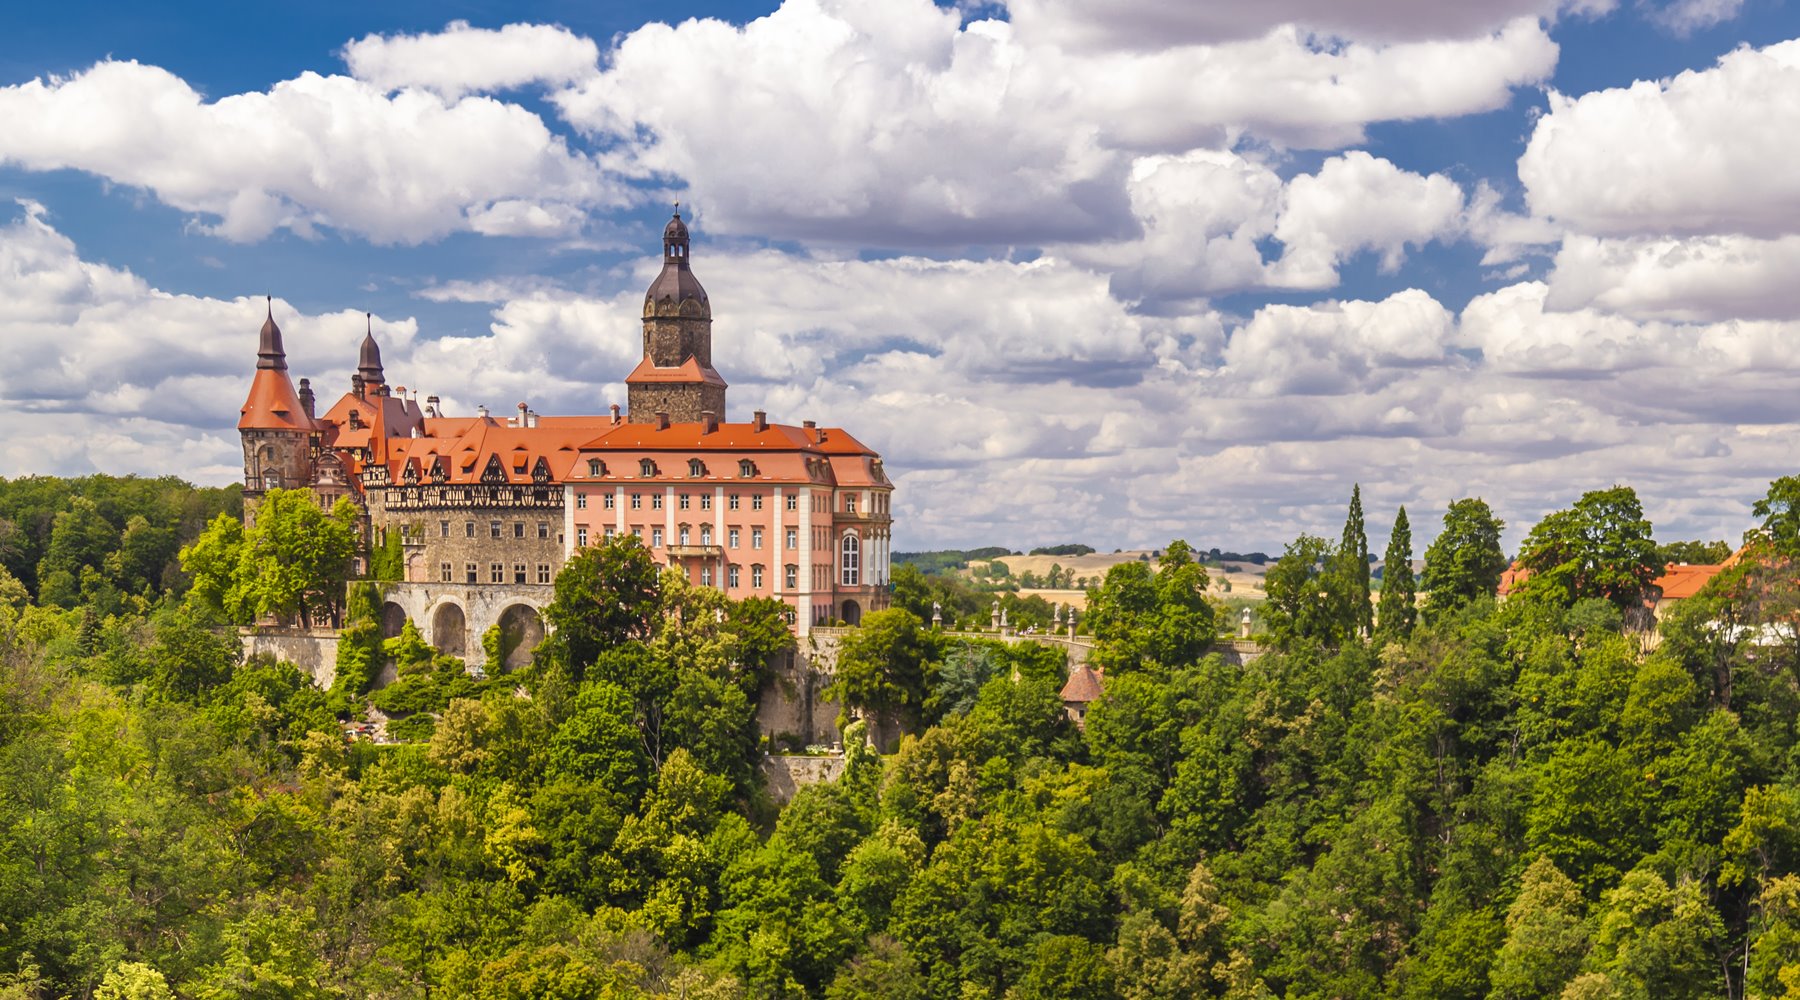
{"x":273,"y":404}
{"x":1683,"y":581}
{"x":1084,"y":685}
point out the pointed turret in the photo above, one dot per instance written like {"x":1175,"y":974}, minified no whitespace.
{"x":273,"y":404}
{"x":269,"y":353}
{"x":368,"y":359}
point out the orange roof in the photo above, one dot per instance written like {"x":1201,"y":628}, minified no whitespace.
{"x":1682,"y":581}
{"x":1084,"y":685}
{"x":273,"y":404}
{"x":688,"y":371}
{"x":1511,"y":579}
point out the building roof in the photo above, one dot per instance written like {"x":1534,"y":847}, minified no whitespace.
{"x":273,"y":404}
{"x":690,"y":370}
{"x":1084,"y":686}
{"x":1681,"y":581}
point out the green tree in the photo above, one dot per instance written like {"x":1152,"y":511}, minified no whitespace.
{"x":1307,"y":601}
{"x":1545,"y":936}
{"x":606,"y":595}
{"x":1599,"y":548}
{"x":295,"y":560}
{"x":882,"y":667}
{"x":1399,"y":603}
{"x":1779,"y":510}
{"x":1353,"y":565}
{"x":1464,"y":562}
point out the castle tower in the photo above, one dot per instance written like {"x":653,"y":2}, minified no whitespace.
{"x":274,"y":423}
{"x":676,"y":376}
{"x":368,"y":360}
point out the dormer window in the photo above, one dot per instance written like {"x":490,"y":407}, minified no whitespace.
{"x":646,"y":468}
{"x":696,"y":468}
{"x":596,"y":468}
{"x":746,"y":469}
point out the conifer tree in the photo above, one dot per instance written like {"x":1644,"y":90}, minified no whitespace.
{"x":1398,"y":589}
{"x":1353,"y":564}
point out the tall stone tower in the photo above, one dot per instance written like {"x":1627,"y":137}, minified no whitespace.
{"x":676,"y":376}
{"x":276,"y":423}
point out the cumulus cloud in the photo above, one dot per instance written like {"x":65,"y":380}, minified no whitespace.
{"x":895,"y":124}
{"x":315,"y":151}
{"x":461,"y":60}
{"x":1206,"y":216}
{"x":1015,"y":402}
{"x":1147,"y":24}
{"x":1684,"y":17}
{"x":1701,"y":153}
{"x":1691,"y":279}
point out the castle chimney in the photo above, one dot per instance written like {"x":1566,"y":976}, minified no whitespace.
{"x":306,"y":398}
{"x":662,"y":420}
{"x":524,"y":415}
{"x":709,"y":421}
{"x":482,"y":412}
{"x":809,"y":424}
{"x":431,"y":406}
{"x":760,"y":421}
{"x":615,"y":414}
{"x":356,"y":385}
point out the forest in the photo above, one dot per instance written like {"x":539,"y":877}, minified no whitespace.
{"x":1417,"y":791}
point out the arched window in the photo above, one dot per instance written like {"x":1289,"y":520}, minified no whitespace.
{"x":746,"y":468}
{"x":684,"y":534}
{"x":852,"y":563}
{"x":646,"y":468}
{"x":596,"y":467}
{"x":696,"y":468}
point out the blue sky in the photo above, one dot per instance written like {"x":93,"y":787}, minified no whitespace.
{"x":1109,"y":273}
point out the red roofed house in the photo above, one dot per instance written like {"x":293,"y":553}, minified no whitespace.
{"x":488,"y":509}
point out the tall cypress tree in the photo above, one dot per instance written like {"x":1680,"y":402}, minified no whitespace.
{"x":1353,"y":563}
{"x":1399,"y":609}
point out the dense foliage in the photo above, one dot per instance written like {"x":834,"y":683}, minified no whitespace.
{"x":1521,"y":799}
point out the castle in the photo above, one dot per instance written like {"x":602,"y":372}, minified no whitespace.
{"x":486,"y":510}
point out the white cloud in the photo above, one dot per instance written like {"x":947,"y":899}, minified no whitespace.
{"x":1702,"y":153}
{"x":894,"y":124}
{"x":461,"y":60}
{"x":315,"y":151}
{"x":1206,"y":214}
{"x":1684,"y":17}
{"x":1691,"y":279}
{"x":1147,"y":24}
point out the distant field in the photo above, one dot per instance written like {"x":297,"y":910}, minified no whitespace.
{"x":1245,"y":578}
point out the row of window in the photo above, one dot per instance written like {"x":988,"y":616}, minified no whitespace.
{"x":496,"y":573}
{"x":683,"y":501}
{"x":647,"y":468}
{"x":496,"y":529}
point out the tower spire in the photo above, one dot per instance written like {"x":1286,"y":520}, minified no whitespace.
{"x":368,"y":363}
{"x":269,"y":352}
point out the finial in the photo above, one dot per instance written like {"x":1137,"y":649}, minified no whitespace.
{"x":369,"y":323}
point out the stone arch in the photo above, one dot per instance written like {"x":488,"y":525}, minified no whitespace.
{"x":852,"y":613}
{"x":521,"y":629}
{"x":393,"y":619}
{"x":450,"y":629}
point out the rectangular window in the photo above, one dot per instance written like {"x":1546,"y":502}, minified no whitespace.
{"x":793,"y":502}
{"x":731,"y":537}
{"x":609,"y":531}
{"x":445,"y":573}
{"x":731,"y":502}
{"x":518,"y":572}
{"x":756,"y":576}
{"x":706,"y":501}
{"x":849,"y":503}
{"x":493,"y":529}
{"x":756,"y":538}
{"x":656,"y":501}
{"x":793,"y":577}
{"x":608,"y":502}
{"x":637,"y":531}
{"x":519,"y":530}
{"x":468,"y":529}
{"x":543,"y":572}
{"x":472,"y":573}
{"x":637,"y":501}
{"x":581,"y":537}
{"x":706,"y":576}
{"x":443,"y":529}
{"x":656,"y":538}
{"x":543,"y":529}
{"x":684,"y":501}
{"x":793,"y":538}
{"x":497,"y":572}
{"x":684,"y":534}
{"x":731,"y":577}
{"x":756,"y":502}
{"x":581,"y":501}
